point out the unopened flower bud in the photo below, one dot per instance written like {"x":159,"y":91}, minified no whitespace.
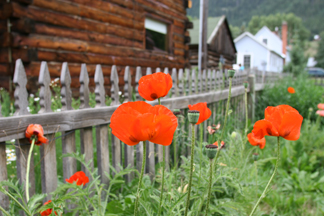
{"x":233,"y":135}
{"x":231,"y":73}
{"x":177,"y":112}
{"x":211,"y":151}
{"x":193,"y":116}
{"x":246,"y":84}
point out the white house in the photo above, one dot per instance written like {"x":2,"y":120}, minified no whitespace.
{"x":265,"y":50}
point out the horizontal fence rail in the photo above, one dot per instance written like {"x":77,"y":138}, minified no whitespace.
{"x":91,"y":125}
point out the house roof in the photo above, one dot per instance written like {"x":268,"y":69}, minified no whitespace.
{"x":213,"y":24}
{"x":248,"y":34}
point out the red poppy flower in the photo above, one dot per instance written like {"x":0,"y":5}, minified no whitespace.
{"x":282,"y":120}
{"x":36,"y":131}
{"x":320,"y":106}
{"x":47,"y":211}
{"x":216,"y":144}
{"x":133,"y":122}
{"x":80,"y":177}
{"x":154,"y":86}
{"x":204,"y":111}
{"x":320,"y":112}
{"x":291,"y":90}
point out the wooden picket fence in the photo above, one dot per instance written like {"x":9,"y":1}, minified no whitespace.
{"x":189,"y":87}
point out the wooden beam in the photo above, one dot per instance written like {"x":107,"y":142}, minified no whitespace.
{"x":82,"y":10}
{"x":5,"y":10}
{"x":76,"y":119}
{"x":75,"y":22}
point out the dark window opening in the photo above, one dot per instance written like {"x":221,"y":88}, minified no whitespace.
{"x":155,"y":40}
{"x":247,"y":61}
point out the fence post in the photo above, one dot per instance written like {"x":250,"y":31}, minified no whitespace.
{"x":251,"y":96}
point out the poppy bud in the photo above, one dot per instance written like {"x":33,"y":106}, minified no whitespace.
{"x":231,"y":73}
{"x":233,"y":135}
{"x":193,"y":116}
{"x":246,"y":84}
{"x":211,"y":151}
{"x":177,"y":112}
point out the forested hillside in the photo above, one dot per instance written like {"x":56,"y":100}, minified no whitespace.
{"x":240,"y":12}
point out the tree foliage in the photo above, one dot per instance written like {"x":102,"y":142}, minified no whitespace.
{"x":320,"y":52}
{"x":297,"y":59}
{"x":272,"y":21}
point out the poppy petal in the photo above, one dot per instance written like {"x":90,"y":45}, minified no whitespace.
{"x":290,"y":126}
{"x":263,"y":128}
{"x":124,"y":131}
{"x":255,"y":141}
{"x":204,"y":111}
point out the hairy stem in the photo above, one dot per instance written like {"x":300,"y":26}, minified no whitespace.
{"x":140,"y":178}
{"x":209,"y":185}
{"x":270,"y":180}
{"x":4,"y":211}
{"x":162,"y":186}
{"x":28,"y":168}
{"x":246,"y":112}
{"x":191,"y":166}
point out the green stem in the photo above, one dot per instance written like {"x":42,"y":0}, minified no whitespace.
{"x":4,"y":211}
{"x":246,"y":112}
{"x":270,"y":180}
{"x":191,"y":166}
{"x":162,"y":186}
{"x":256,"y":177}
{"x":140,"y":179}
{"x":209,"y":185}
{"x":175,"y":143}
{"x":28,"y":168}
{"x":14,"y":199}
{"x":200,"y":148}
{"x":159,"y":101}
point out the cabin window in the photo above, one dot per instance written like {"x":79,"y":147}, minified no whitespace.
{"x":247,"y":61}
{"x":155,"y":35}
{"x":265,"y":40}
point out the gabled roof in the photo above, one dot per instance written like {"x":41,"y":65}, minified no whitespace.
{"x":213,"y":25}
{"x":248,"y":34}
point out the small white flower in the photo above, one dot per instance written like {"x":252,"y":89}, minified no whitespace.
{"x":56,"y":79}
{"x":119,"y":93}
{"x":58,"y":110}
{"x":36,"y":99}
{"x":31,"y":95}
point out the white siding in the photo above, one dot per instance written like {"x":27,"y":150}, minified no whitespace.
{"x":274,"y":42}
{"x":248,"y":46}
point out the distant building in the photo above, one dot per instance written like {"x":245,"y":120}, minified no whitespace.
{"x":265,"y":50}
{"x":219,"y":43}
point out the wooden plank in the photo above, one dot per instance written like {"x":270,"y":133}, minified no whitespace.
{"x":68,"y":146}
{"x":114,"y":81}
{"x":150,"y":158}
{"x":129,"y":161}
{"x":203,"y":86}
{"x":138,"y":76}
{"x":182,"y":89}
{"x":86,"y":141}
{"x":139,"y":156}
{"x":175,"y":89}
{"x":20,"y":94}
{"x":4,"y":200}
{"x":47,"y":151}
{"x":66,"y":92}
{"x":83,"y":10}
{"x":128,"y":89}
{"x":84,"y":87}
{"x":76,"y":119}
{"x":112,"y":8}
{"x":22,"y":151}
{"x":116,"y":153}
{"x":76,"y":22}
{"x":103,"y":152}
{"x":5,"y":11}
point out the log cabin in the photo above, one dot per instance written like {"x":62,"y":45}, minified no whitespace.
{"x":146,"y":33}
{"x":219,"y":43}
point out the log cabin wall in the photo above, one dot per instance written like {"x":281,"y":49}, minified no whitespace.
{"x":87,"y":31}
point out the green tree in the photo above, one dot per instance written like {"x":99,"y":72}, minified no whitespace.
{"x":297,"y":59}
{"x":295,"y":24}
{"x":236,"y":31}
{"x":320,"y":52}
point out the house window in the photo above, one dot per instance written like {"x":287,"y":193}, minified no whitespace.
{"x":265,"y":40}
{"x":155,"y":35}
{"x":247,"y":61}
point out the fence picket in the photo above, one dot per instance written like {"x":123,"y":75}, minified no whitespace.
{"x":101,"y":130}
{"x":114,"y":80}
{"x":175,"y":90}
{"x":138,"y":76}
{"x":128,"y":90}
{"x":203,"y":86}
{"x":84,"y":87}
{"x":66,"y":92}
{"x":21,"y":104}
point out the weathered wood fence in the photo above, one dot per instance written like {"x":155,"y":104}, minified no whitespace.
{"x":189,"y":87}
